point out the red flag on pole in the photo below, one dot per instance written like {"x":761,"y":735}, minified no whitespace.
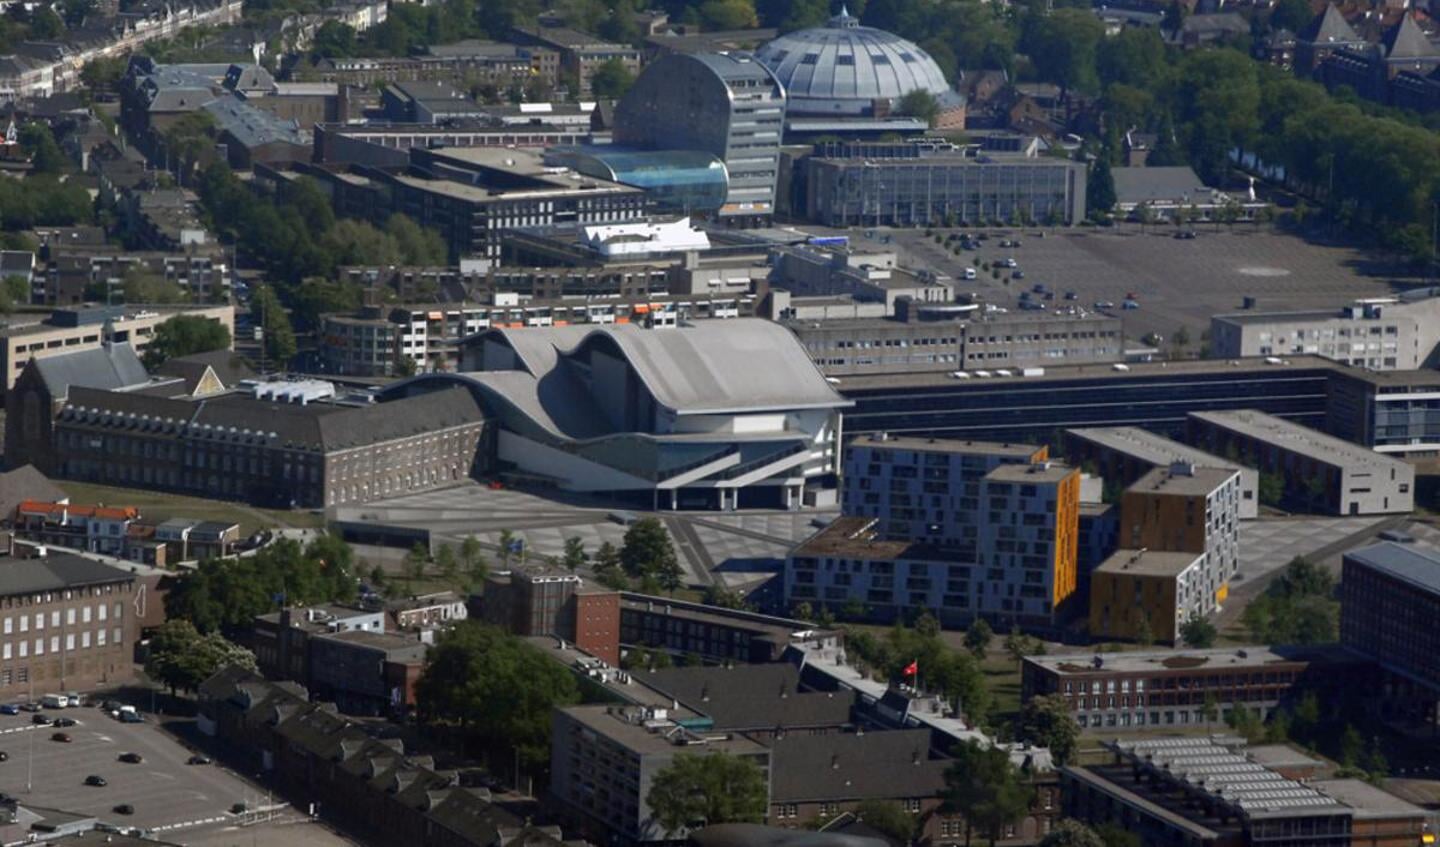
{"x":913,"y":668}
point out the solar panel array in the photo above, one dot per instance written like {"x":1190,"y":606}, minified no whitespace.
{"x":1214,"y":767}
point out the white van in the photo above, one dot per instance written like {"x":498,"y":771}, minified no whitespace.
{"x":970,"y":273}
{"x":55,"y":701}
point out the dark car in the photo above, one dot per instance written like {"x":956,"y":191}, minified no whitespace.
{"x":62,"y":737}
{"x":198,"y":759}
{"x":9,"y":709}
{"x":1186,"y":235}
{"x":42,"y":720}
{"x":96,"y":781}
{"x":1071,"y":295}
{"x":4,"y":757}
{"x":131,"y":758}
{"x":64,"y":722}
{"x":111,"y":706}
{"x":124,"y":809}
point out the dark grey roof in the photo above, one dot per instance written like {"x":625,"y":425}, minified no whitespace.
{"x":251,"y":126}
{"x":1148,"y":185}
{"x":53,"y":572}
{"x":26,"y":483}
{"x":1418,"y":566}
{"x":758,"y":835}
{"x":752,"y":696}
{"x":108,"y":367}
{"x":230,"y":367}
{"x":317,"y":426}
{"x":836,"y":767}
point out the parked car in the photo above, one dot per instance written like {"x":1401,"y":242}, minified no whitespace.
{"x":41,"y":720}
{"x":4,"y":757}
{"x":62,"y":722}
{"x":1071,"y":295}
{"x":111,"y":706}
{"x":1186,"y":235}
{"x":62,"y":737}
{"x":131,"y":758}
{"x":9,"y":709}
{"x":1130,"y":304}
{"x":1104,"y":304}
{"x":96,"y":780}
{"x":1017,"y":275}
{"x":1010,"y":262}
{"x":124,"y":809}
{"x":30,"y":707}
{"x":198,"y":759}
{"x":131,"y":717}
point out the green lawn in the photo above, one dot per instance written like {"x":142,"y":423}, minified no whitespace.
{"x":155,"y":506}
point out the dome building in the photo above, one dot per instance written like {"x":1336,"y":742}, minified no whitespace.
{"x":844,"y":77}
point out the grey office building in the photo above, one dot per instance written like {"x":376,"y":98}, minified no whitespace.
{"x":920,"y":186}
{"x":725,"y":104}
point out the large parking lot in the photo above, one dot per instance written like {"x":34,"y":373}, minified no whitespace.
{"x":1177,"y":282}
{"x":170,"y":797}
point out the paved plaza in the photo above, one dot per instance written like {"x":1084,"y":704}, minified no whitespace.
{"x":735,"y":550}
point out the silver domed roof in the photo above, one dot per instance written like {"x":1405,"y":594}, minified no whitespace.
{"x":839,"y":68}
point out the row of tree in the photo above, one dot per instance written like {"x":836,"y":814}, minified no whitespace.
{"x":227,"y":594}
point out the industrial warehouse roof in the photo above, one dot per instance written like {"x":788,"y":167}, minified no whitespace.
{"x":1294,"y":438}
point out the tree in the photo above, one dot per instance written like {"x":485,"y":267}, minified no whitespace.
{"x":181,"y":658}
{"x":142,"y":286}
{"x":1047,"y":721}
{"x":1294,"y":15}
{"x":1198,"y":632}
{"x":1072,"y":833}
{"x":726,"y":598}
{"x":1063,"y":47}
{"x":608,"y":571}
{"x":445,"y":560}
{"x":575,"y":555}
{"x":417,"y":245}
{"x":496,"y":688}
{"x":333,"y":40}
{"x":1100,"y":188}
{"x":728,"y":14}
{"x":888,"y":817}
{"x":185,"y":335}
{"x":1271,"y":489}
{"x":1209,"y":709}
{"x":986,"y":789}
{"x":1117,"y":836}
{"x":228,"y":593}
{"x":39,"y":144}
{"x":1352,"y":746}
{"x":919,"y":103}
{"x":978,"y":638}
{"x":704,"y":789}
{"x":611,"y":80}
{"x":648,"y":551}
{"x":416,"y":560}
{"x":274,"y":323}
{"x":1245,"y":723}
{"x":1144,"y":635}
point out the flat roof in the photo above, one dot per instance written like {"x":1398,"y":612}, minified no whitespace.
{"x":1281,"y":317}
{"x":1367,"y":800}
{"x":1147,"y":446}
{"x":1155,"y":661}
{"x":1136,"y":370}
{"x":1037,"y":472}
{"x":1293,"y":437}
{"x":1280,"y":756}
{"x":1148,"y":562}
{"x":955,"y":446}
{"x":1198,"y":482}
{"x":855,"y":537}
{"x":610,"y":722}
{"x":1410,"y":563}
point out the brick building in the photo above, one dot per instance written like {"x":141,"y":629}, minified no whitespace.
{"x":66,"y":623}
{"x":549,"y":601}
{"x":1115,"y":692}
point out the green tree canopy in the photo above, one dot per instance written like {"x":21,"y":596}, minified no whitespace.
{"x":498,"y":689}
{"x":184,"y":335}
{"x":919,"y":103}
{"x":647,"y":552}
{"x":1071,"y":833}
{"x":888,"y":817}
{"x":978,"y":638}
{"x":611,"y":80}
{"x":984,"y":787}
{"x":1047,"y":721}
{"x":1198,"y":632}
{"x":703,"y":789}
{"x":181,"y":658}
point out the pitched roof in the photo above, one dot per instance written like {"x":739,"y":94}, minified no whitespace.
{"x":1329,"y":28}
{"x":108,"y":367}
{"x":752,"y":696}
{"x":886,"y":764}
{"x":1405,"y":41}
{"x":230,"y":367}
{"x":53,"y":572}
{"x":1148,"y":185}
{"x":26,"y":483}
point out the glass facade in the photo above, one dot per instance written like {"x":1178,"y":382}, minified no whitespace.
{"x":676,"y":180}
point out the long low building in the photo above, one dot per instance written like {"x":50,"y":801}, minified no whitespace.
{"x":719,"y":414}
{"x":1318,"y":471}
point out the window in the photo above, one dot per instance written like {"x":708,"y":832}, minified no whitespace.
{"x":85,"y":640}
{"x":9,"y":625}
{"x":100,"y":637}
{"x":39,"y":646}
{"x":70,"y":616}
{"x":39,"y":620}
{"x":100,"y":611}
{"x":54,"y":644}
{"x":69,"y":641}
{"x":24,"y":623}
{"x":912,"y":805}
{"x":85,"y":615}
{"x":5,"y":652}
{"x":115,"y":635}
